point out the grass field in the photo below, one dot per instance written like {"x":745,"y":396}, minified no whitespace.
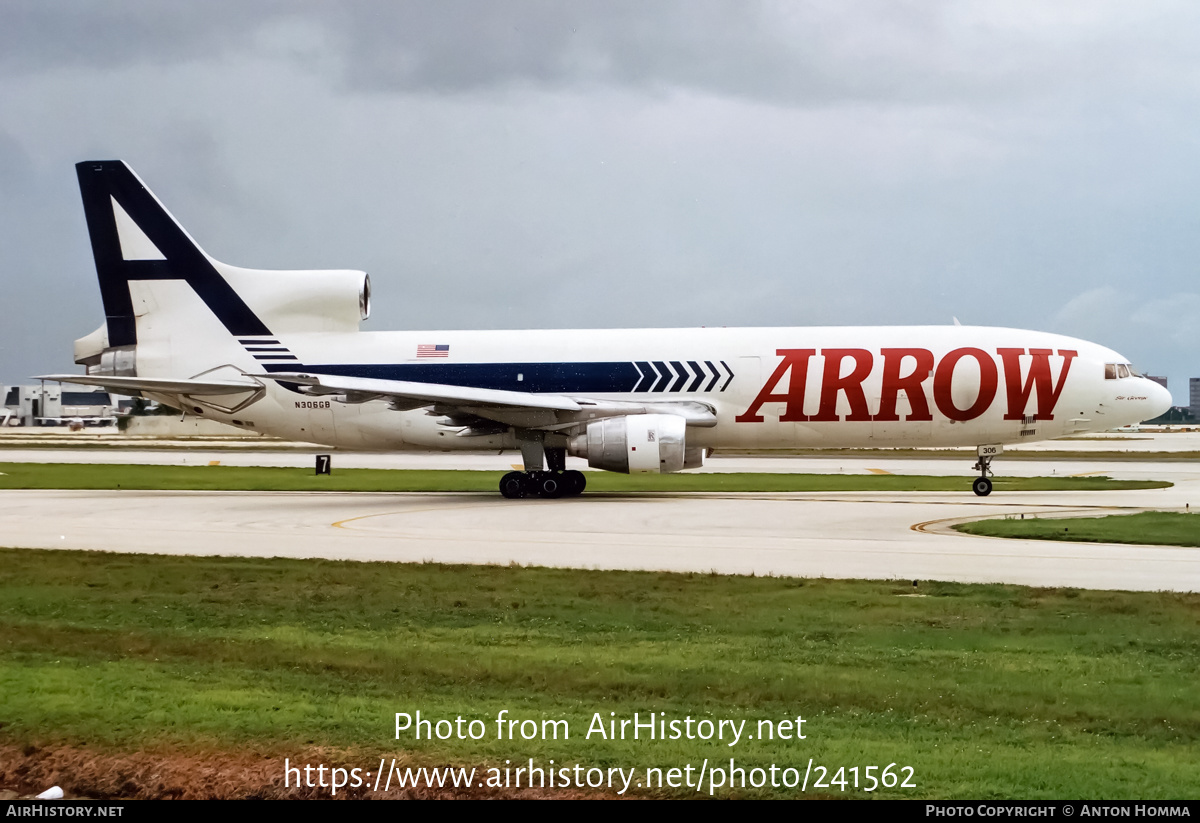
{"x":985,"y":691}
{"x":1150,"y":528}
{"x":101,"y":476}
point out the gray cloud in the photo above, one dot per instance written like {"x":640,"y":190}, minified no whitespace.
{"x":463,"y":45}
{"x":44,"y":35}
{"x":813,"y":53}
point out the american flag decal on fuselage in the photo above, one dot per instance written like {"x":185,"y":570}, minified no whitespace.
{"x":432,"y":350}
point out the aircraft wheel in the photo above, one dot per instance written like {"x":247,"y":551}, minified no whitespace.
{"x":575,"y":482}
{"x":512,"y":485}
{"x":982,"y":486}
{"x":551,"y":484}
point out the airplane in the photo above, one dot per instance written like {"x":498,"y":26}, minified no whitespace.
{"x":281,"y":352}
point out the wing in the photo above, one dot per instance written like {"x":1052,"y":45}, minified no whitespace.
{"x":126,"y":385}
{"x":361,"y":389}
{"x":477,"y":411}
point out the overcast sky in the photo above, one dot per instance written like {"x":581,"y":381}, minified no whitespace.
{"x":498,"y":164}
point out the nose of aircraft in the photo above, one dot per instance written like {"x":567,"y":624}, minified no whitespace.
{"x":1158,"y":400}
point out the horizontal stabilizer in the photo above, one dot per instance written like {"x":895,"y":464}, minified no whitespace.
{"x":157,"y":385}
{"x":427,"y":392}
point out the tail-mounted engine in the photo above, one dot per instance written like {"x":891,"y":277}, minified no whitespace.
{"x":638,"y":444}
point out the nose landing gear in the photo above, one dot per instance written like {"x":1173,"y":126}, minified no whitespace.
{"x":982,"y":485}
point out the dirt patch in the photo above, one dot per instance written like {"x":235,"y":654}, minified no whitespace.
{"x":216,"y":775}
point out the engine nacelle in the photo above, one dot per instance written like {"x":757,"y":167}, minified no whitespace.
{"x":637,"y":444}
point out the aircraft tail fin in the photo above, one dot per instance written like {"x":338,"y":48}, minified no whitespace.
{"x":134,"y":237}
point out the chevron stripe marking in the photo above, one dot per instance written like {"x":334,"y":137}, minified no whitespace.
{"x":641,"y":378}
{"x":661,"y":373}
{"x":684,"y":374}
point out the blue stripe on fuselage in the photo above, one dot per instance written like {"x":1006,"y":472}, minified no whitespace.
{"x":585,"y":378}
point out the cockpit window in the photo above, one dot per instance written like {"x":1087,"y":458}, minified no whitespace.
{"x":1110,"y":371}
{"x":1122,"y":370}
{"x":1135,"y":372}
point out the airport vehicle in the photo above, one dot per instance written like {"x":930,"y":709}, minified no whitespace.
{"x":281,"y":352}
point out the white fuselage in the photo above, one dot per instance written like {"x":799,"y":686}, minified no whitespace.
{"x":770,"y":388}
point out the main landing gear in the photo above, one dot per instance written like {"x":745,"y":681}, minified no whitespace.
{"x":982,"y":485}
{"x":542,"y":484}
{"x":536,"y":481}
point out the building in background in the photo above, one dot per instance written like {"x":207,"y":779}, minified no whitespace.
{"x":54,"y":406}
{"x":1162,"y":381}
{"x":1194,"y":404}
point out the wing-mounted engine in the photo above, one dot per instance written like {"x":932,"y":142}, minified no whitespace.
{"x":637,"y":444}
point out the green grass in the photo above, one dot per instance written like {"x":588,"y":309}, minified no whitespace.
{"x":987,"y":691}
{"x":1150,"y":528}
{"x":101,"y":476}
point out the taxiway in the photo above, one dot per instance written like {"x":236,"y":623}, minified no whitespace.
{"x":843,"y":535}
